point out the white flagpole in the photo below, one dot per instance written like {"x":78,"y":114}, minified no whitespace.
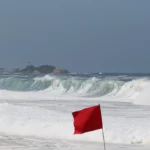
{"x":103,"y":139}
{"x":103,"y":131}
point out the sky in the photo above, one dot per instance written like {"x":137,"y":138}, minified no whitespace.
{"x":78,"y":35}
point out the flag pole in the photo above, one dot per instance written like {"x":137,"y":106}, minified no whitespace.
{"x":103,"y":139}
{"x":103,"y":132}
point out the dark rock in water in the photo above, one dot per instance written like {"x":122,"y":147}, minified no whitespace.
{"x":44,"y":69}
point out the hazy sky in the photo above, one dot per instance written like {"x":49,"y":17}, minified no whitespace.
{"x":78,"y":35}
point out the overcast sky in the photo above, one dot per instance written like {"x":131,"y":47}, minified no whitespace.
{"x":78,"y":35}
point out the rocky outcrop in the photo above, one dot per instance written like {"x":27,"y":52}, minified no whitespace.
{"x":43,"y":69}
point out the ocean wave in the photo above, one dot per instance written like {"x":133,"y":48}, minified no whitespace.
{"x":81,"y":86}
{"x":77,"y":86}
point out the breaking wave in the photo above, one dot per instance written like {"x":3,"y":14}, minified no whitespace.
{"x":26,"y":107}
{"x":122,"y":86}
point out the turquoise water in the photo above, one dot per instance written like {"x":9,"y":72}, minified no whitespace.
{"x":84,"y":84}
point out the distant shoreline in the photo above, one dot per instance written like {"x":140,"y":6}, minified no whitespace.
{"x":31,"y":69}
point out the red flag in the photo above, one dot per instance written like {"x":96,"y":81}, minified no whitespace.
{"x":88,"y":119}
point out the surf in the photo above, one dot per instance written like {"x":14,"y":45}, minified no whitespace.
{"x":75,"y":87}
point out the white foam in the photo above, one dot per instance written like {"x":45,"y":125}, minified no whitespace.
{"x":33,"y":143}
{"x":136,"y":92}
{"x":123,"y":123}
{"x":49,"y":120}
{"x":75,"y":88}
{"x":45,"y":78}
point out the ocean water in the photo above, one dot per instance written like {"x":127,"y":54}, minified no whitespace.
{"x":35,"y":111}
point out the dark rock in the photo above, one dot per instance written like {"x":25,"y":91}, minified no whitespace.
{"x":44,"y":69}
